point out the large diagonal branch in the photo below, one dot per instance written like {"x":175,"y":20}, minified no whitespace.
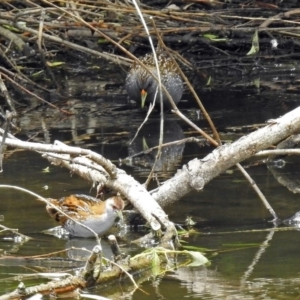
{"x":198,"y":172}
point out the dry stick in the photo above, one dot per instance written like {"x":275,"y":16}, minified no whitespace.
{"x":54,"y":10}
{"x":161,"y":112}
{"x":46,"y":132}
{"x":128,"y":274}
{"x":60,"y":147}
{"x":288,"y":33}
{"x":278,"y":152}
{"x":31,"y":12}
{"x":161,"y":136}
{"x":6,"y":95}
{"x":210,"y":122}
{"x":258,"y":192}
{"x":23,"y":77}
{"x":8,"y":118}
{"x":228,"y":28}
{"x":161,"y":133}
{"x":32,"y":3}
{"x":277,"y":17}
{"x":47,"y":255}
{"x":19,"y":44}
{"x":159,"y":15}
{"x":72,"y":7}
{"x":9,"y":62}
{"x":181,"y":58}
{"x":287,"y":14}
{"x":151,"y":107}
{"x":41,"y":51}
{"x":87,"y":164}
{"x":63,"y":285}
{"x":34,"y":95}
{"x":178,"y":142}
{"x":190,"y":18}
{"x":15,"y":231}
{"x":112,"y":57}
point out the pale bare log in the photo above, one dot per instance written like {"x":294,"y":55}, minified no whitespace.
{"x":198,"y":172}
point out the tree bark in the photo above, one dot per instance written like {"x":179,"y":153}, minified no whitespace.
{"x":198,"y":172}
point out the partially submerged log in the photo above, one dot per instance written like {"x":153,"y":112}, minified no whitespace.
{"x":98,"y":271}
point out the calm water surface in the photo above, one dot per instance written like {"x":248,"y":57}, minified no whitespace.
{"x":252,"y":260}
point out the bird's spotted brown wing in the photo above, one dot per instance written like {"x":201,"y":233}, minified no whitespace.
{"x":74,"y":206}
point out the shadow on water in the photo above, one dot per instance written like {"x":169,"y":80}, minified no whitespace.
{"x":249,"y":259}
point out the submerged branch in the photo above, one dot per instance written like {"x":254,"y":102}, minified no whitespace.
{"x":153,"y":260}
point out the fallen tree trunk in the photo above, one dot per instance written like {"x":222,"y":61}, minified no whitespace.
{"x":198,"y":172}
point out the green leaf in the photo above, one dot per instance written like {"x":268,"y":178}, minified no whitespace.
{"x":46,"y":170}
{"x":145,"y":145}
{"x":55,"y":63}
{"x":256,"y":83}
{"x":11,"y":28}
{"x":197,"y":259}
{"x":189,"y":221}
{"x":102,"y":41}
{"x":194,"y":248}
{"x":155,"y":264}
{"x":36,"y":74}
{"x":255,"y":44}
{"x":214,"y":38}
{"x":242,"y":245}
{"x":209,"y":81}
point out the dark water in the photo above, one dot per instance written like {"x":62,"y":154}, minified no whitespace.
{"x":252,"y":260}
